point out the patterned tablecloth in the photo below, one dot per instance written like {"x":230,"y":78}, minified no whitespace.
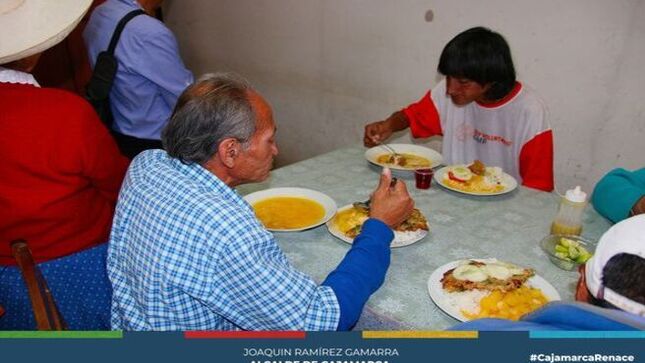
{"x":507,"y":227}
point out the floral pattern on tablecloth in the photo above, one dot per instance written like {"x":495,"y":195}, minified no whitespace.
{"x":507,"y":227}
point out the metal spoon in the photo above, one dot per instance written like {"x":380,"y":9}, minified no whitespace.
{"x":390,"y":149}
{"x":395,"y":157}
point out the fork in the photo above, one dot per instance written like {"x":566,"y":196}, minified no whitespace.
{"x":366,"y":204}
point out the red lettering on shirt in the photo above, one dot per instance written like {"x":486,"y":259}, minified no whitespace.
{"x":483,"y":137}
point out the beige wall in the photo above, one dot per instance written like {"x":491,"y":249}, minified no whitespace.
{"x":330,"y":66}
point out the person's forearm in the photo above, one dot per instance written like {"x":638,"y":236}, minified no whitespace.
{"x":618,"y":194}
{"x":361,"y":272}
{"x":398,"y":121}
{"x":639,"y":207}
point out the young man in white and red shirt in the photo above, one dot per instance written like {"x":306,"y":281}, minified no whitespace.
{"x":481,"y":111}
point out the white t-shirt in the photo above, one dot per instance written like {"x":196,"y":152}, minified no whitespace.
{"x":512,"y":133}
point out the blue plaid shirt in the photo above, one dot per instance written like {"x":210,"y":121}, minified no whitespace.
{"x":187,"y":253}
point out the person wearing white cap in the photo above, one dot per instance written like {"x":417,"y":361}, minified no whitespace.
{"x":61,"y":173}
{"x":610,"y":293}
{"x":615,"y":275}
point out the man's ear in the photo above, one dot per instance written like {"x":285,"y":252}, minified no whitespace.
{"x":229,"y":150}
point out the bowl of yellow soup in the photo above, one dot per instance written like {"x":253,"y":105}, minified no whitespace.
{"x":291,"y":209}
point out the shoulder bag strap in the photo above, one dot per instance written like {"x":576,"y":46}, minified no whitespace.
{"x":119,"y":28}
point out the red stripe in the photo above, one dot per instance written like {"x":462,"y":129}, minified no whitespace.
{"x":536,"y":162}
{"x":244,"y":335}
{"x":423,"y":117}
{"x":516,"y":89}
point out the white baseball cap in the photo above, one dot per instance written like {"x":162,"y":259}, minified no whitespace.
{"x":627,"y":236}
{"x":28,"y":27}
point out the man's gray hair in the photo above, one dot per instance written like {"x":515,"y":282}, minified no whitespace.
{"x":214,"y":108}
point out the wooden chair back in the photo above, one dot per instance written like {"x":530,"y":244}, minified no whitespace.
{"x":44,"y":307}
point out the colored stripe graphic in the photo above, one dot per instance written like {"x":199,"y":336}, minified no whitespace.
{"x":545,"y":334}
{"x":420,"y":334}
{"x":245,"y":335}
{"x":61,"y":335}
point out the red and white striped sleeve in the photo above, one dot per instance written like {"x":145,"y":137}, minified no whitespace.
{"x":423,"y":117}
{"x":536,"y":162}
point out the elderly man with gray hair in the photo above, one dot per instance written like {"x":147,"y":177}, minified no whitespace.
{"x":187,"y":252}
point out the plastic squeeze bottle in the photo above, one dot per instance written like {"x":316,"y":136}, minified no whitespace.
{"x":569,"y":217}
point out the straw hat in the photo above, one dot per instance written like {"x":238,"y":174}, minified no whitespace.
{"x":28,"y":27}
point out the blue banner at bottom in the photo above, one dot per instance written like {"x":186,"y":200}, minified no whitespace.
{"x":298,"y":347}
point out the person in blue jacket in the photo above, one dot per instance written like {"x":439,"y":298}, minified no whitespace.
{"x":620,"y":194}
{"x":610,"y":293}
{"x":150,"y":75}
{"x":187,"y":251}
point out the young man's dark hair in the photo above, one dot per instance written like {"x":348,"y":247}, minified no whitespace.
{"x":483,"y":56}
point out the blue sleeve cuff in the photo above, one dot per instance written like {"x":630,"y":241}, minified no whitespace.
{"x":375,"y":230}
{"x":362,"y":271}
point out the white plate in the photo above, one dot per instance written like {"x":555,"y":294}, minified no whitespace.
{"x":328,"y":204}
{"x":447,"y":303}
{"x":435,"y":158}
{"x":400,"y":238}
{"x":508,"y":182}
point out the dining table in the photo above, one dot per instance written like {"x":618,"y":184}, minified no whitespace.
{"x":507,"y":227}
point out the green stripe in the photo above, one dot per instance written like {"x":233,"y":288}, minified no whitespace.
{"x":61,"y":334}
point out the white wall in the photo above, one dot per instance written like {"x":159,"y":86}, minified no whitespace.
{"x":330,"y":66}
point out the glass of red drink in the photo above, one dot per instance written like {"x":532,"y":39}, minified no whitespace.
{"x":423,"y":178}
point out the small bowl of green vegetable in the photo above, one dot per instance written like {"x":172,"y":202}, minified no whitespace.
{"x":567,"y":252}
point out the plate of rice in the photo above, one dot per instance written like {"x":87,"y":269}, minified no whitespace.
{"x":347,"y":223}
{"x":459,"y":178}
{"x":501,"y":300}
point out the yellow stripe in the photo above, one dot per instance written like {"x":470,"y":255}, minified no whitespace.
{"x":420,"y":334}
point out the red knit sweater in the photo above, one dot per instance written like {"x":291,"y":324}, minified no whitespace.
{"x":60,"y":173}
